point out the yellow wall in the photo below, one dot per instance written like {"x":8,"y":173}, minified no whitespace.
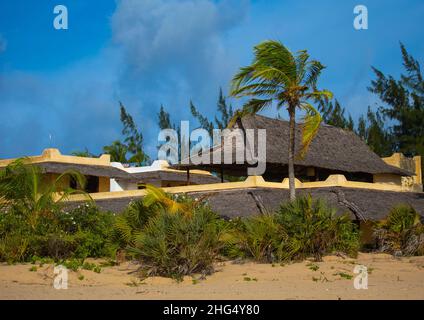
{"x":413,"y":183}
{"x":418,"y":172}
{"x":51,"y":177}
{"x":336,"y":180}
{"x":388,"y":178}
{"x":104,"y":184}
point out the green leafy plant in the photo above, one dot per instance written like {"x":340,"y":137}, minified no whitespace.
{"x":170,"y":235}
{"x":343,"y":275}
{"x":313,"y":229}
{"x":174,"y":244}
{"x":402,"y":233}
{"x":34,"y":222}
{"x":298,"y":230}
{"x":133,"y":220}
{"x":313,"y":266}
{"x":259,"y":237}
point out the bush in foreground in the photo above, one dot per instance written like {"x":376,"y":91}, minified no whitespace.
{"x":298,"y":230}
{"x":314,"y":229}
{"x":178,"y":244}
{"x":402,"y":233}
{"x":79,"y":233}
{"x":259,"y":237}
{"x":170,"y":235}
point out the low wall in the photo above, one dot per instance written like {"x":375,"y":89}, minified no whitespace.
{"x":252,"y":182}
{"x":54,"y":155}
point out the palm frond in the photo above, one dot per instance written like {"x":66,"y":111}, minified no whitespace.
{"x":158,"y":196}
{"x":310,"y":126}
{"x":253,"y":106}
{"x":312,"y":72}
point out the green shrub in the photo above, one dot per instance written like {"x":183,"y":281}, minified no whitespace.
{"x":259,"y":237}
{"x":402,"y":233}
{"x":313,"y":229}
{"x":178,"y":244}
{"x":130,"y":223}
{"x":296,"y":231}
{"x":78,"y":233}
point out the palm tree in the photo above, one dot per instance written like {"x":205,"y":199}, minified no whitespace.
{"x":24,"y":188}
{"x":117,"y":151}
{"x":279,"y":76}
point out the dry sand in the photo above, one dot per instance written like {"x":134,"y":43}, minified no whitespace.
{"x":389,"y":278}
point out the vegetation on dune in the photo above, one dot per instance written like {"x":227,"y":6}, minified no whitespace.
{"x":33,"y":221}
{"x":260,"y":238}
{"x":402,"y":233}
{"x":24,"y":189}
{"x":299,"y":229}
{"x":314,"y":229}
{"x":176,"y":244}
{"x":170,"y":236}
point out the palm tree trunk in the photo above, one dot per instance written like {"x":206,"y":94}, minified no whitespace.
{"x":292,"y":132}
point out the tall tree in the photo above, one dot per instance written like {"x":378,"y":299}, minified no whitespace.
{"x":165,"y":122}
{"x":164,"y":119}
{"x":277,"y":75}
{"x":334,"y":115}
{"x":132,"y":144}
{"x":133,"y":138}
{"x":404,"y":104}
{"x":371,"y":129}
{"x":221,"y":120}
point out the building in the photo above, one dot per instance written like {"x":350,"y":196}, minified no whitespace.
{"x":333,"y":151}
{"x":98,"y":171}
{"x":158,"y":174}
{"x":104,"y":176}
{"x":338,"y":167}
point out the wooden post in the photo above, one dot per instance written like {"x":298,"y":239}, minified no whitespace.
{"x":188,"y":176}
{"x":222,"y":174}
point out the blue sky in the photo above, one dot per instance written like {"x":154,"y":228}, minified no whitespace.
{"x":66,"y":84}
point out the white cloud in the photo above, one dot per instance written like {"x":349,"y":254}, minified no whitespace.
{"x":162,"y":52}
{"x":169,"y":44}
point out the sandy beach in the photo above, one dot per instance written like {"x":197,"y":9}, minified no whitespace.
{"x":388,"y":278}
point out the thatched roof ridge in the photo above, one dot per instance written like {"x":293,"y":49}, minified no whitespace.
{"x":85,"y":169}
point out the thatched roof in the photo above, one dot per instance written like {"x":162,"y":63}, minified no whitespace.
{"x":372,"y":204}
{"x":332,"y":149}
{"x":172,"y":175}
{"x":85,"y":169}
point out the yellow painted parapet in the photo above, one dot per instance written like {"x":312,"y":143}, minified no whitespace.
{"x":54,"y":155}
{"x":418,"y":172}
{"x":413,"y":183}
{"x":251,"y":182}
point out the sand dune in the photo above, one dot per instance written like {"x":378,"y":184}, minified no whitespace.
{"x":388,"y":278}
